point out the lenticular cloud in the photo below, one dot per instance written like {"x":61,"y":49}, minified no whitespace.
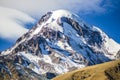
{"x":40,"y":7}
{"x":12,"y":23}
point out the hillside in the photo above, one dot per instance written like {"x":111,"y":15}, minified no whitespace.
{"x":105,"y":71}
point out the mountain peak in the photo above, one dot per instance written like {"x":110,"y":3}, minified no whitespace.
{"x":61,"y":13}
{"x":61,"y":42}
{"x":54,"y":17}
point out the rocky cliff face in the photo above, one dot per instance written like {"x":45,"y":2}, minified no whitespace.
{"x":59,"y":43}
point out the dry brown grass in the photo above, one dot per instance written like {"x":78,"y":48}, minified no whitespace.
{"x":105,"y":71}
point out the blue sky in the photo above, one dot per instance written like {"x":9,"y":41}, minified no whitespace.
{"x":109,"y":21}
{"x":104,"y":14}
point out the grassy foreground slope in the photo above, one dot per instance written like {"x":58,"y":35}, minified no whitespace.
{"x":105,"y":71}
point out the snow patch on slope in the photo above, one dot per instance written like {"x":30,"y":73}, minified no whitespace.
{"x":110,"y":45}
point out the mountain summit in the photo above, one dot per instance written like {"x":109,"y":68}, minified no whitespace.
{"x":58,"y":43}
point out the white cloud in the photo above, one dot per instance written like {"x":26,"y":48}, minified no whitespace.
{"x":12,"y":23}
{"x":38,"y":7}
{"x":11,"y":28}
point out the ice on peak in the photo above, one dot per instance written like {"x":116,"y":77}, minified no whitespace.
{"x":55,"y":16}
{"x":61,"y":13}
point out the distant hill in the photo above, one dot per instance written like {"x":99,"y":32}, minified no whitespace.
{"x":105,"y":71}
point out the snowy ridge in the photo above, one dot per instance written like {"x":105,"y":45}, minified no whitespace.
{"x":110,"y":45}
{"x":61,"y":42}
{"x":56,"y":14}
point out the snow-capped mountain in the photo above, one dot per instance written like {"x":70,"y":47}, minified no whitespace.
{"x":61,"y":42}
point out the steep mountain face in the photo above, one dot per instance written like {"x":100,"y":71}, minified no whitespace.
{"x":59,"y":43}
